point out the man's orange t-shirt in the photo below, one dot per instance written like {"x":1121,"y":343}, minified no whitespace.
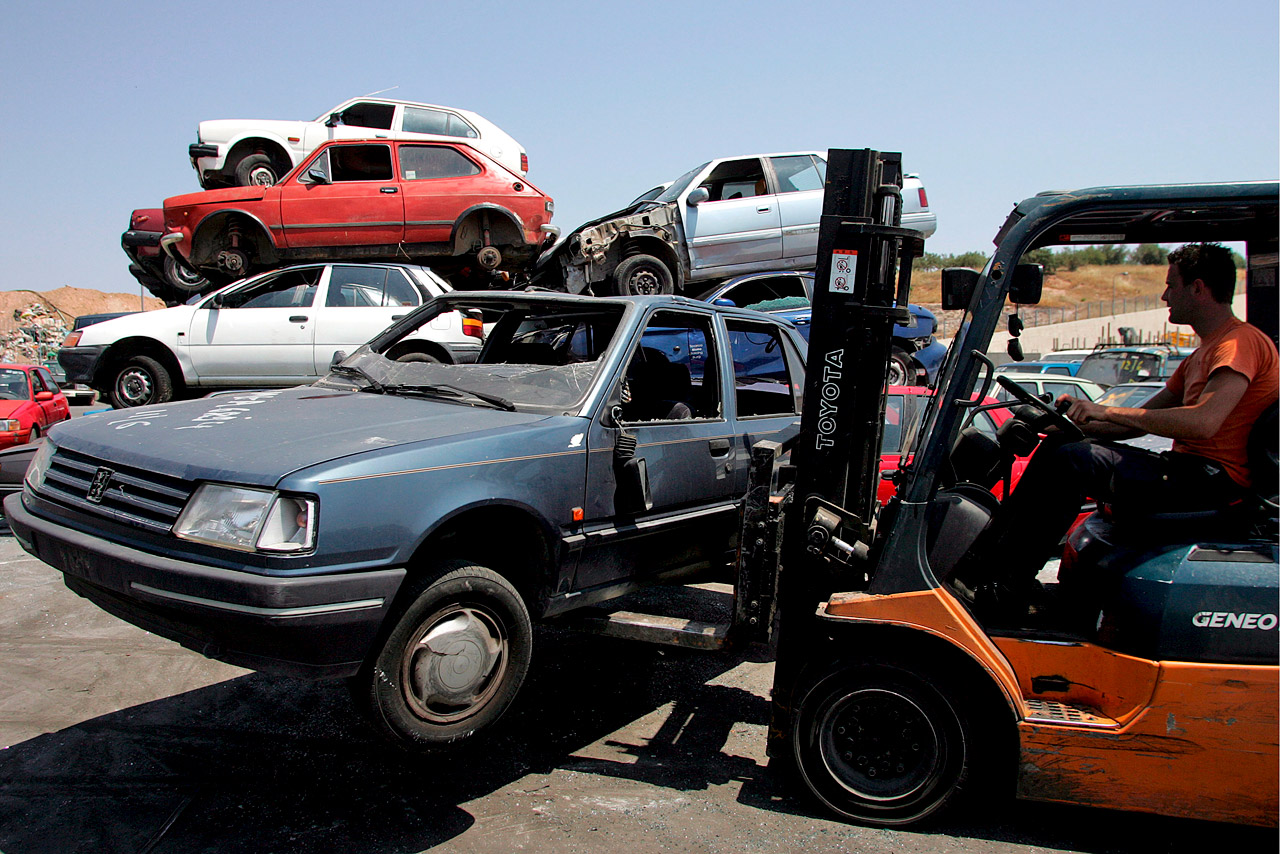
{"x":1242,"y":348}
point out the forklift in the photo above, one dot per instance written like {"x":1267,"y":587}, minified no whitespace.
{"x":893,"y":697}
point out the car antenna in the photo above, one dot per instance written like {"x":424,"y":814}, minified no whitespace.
{"x":380,"y":91}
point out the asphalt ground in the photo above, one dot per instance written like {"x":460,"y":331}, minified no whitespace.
{"x":115,"y":740}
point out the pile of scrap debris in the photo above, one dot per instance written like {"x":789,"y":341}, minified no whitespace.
{"x":34,"y":336}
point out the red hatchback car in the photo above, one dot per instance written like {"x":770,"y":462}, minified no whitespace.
{"x":30,"y":403}
{"x":437,"y":203}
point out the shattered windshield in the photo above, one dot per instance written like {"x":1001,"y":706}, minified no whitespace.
{"x":536,"y":357}
{"x":681,"y":184}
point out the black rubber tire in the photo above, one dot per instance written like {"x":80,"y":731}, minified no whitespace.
{"x":181,"y":279}
{"x":256,"y":169}
{"x":418,"y":357}
{"x":483,"y":632}
{"x":901,"y":371}
{"x":640,"y":275}
{"x":881,"y":745}
{"x":140,"y":381}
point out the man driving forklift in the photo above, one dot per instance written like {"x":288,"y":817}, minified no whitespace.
{"x":1207,"y":408}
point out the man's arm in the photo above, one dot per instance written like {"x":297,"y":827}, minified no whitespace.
{"x":1165,"y":416}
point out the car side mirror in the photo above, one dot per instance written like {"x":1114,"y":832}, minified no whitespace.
{"x":317,"y":176}
{"x":697,"y":197}
{"x":339,"y":356}
{"x":1027,"y":284}
{"x":958,"y":285}
{"x":44,"y":395}
{"x":334,"y":120}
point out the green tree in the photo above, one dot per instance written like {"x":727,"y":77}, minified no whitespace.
{"x":1151,"y":253}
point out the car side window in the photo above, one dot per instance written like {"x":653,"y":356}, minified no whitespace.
{"x":671,"y":375}
{"x":50,"y":383}
{"x":1056,"y":389}
{"x":764,"y":289}
{"x":891,"y":438}
{"x":288,"y":289}
{"x":762,"y":381}
{"x":1061,"y":370}
{"x":736,"y":179}
{"x":369,"y":115}
{"x":365,"y":287}
{"x":37,"y":383}
{"x":360,"y":163}
{"x":422,"y":120}
{"x":419,"y":162}
{"x":796,"y":173}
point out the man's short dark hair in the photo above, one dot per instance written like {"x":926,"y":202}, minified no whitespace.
{"x":1212,"y":263}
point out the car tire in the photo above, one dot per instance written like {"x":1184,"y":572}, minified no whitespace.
{"x":417,"y":357}
{"x":183,"y":279}
{"x":901,"y":371}
{"x":880,"y":744}
{"x":641,"y":275}
{"x":35,"y":433}
{"x":140,"y":381}
{"x":256,"y":170}
{"x":453,"y":662}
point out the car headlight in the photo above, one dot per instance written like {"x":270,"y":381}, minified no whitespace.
{"x":245,"y":519}
{"x":10,"y":424}
{"x":39,"y":465}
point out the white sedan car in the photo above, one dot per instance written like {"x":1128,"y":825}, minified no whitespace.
{"x":278,"y":329}
{"x":244,"y":152}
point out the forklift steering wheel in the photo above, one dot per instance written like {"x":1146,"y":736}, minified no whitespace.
{"x":1056,"y":418}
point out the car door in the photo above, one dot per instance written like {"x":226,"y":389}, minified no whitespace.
{"x":56,"y":407}
{"x":672,"y":405}
{"x":360,"y":301}
{"x":262,"y":332}
{"x":739,"y":222}
{"x":347,"y":195}
{"x":439,"y":183}
{"x":800,"y":180}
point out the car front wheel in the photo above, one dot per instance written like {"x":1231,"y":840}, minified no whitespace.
{"x":901,"y":371}
{"x":454,"y":661}
{"x":256,"y":170}
{"x":642,"y":275}
{"x":140,"y":381}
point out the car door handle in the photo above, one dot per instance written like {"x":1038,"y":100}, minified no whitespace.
{"x":387,"y":190}
{"x":762,"y":209}
{"x":719,"y":447}
{"x":298,"y":318}
{"x":396,"y":316}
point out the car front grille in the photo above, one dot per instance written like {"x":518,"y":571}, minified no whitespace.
{"x":131,"y":496}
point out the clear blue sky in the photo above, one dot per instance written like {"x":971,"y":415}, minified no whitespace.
{"x":989,"y":101}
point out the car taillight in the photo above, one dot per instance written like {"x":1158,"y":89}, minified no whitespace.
{"x":472,"y":327}
{"x":524,"y":162}
{"x":72,"y":339}
{"x":924,"y":200}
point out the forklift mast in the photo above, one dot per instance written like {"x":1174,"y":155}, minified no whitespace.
{"x":861,"y":289}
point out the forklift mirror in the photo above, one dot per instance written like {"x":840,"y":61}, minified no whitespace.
{"x":1027,"y":284}
{"x":958,"y":285}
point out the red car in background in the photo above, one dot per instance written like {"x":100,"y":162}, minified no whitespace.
{"x":437,"y":203}
{"x":904,"y":407}
{"x":30,"y":403}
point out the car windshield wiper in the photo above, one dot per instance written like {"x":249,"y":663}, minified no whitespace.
{"x":353,"y":371}
{"x":448,"y":391}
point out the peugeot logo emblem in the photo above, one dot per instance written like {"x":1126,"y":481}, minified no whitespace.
{"x":101,"y":480}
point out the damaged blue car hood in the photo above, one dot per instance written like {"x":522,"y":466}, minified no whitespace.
{"x":261,"y":436}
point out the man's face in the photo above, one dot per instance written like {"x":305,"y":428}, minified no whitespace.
{"x":1178,"y":295}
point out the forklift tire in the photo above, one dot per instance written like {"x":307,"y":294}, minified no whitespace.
{"x":881,"y":745}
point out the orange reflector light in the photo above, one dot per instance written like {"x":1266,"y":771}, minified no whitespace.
{"x":577,"y":514}
{"x":472,"y":327}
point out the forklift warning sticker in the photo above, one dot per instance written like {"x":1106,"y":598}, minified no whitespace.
{"x":844,"y":263}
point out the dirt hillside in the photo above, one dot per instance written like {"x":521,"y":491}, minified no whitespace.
{"x":33,"y":323}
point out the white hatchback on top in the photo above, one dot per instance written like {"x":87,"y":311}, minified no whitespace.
{"x":241,"y":152}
